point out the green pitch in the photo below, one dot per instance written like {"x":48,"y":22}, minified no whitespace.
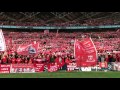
{"x":63,"y":75}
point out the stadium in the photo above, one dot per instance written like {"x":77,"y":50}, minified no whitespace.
{"x":59,"y":44}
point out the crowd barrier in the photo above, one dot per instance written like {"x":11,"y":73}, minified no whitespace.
{"x":53,"y":67}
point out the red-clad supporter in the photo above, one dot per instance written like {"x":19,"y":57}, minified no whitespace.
{"x":26,"y":60}
{"x":67,"y":60}
{"x":13,"y":60}
{"x":61,"y":61}
{"x":47,"y":58}
{"x":18,"y":60}
{"x":0,"y":58}
{"x":118,"y":57}
{"x":22,"y":59}
{"x":30,"y":61}
{"x":9,"y":59}
{"x":4,"y":59}
{"x":106,"y":58}
{"x":58,"y":60}
{"x":39,"y":59}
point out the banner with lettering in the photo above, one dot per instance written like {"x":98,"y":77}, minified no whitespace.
{"x":39,"y":67}
{"x":5,"y":68}
{"x":71,"y":67}
{"x":52,"y":67}
{"x":22,"y":68}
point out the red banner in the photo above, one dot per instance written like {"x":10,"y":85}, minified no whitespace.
{"x":85,"y":52}
{"x":52,"y":67}
{"x":71,"y":66}
{"x":103,"y":64}
{"x":22,"y":68}
{"x":5,"y":68}
{"x":39,"y":67}
{"x":28,"y":49}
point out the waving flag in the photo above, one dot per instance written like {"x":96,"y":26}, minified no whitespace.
{"x":85,"y":52}
{"x":28,"y":49}
{"x":78,"y":50}
{"x":2,"y":41}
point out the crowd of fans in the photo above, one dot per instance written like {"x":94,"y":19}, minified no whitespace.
{"x":58,"y":46}
{"x":89,"y":22}
{"x":97,"y":22}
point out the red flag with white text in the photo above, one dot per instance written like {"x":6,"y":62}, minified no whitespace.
{"x":28,"y":49}
{"x":85,"y":52}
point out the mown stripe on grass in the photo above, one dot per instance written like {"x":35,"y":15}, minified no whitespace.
{"x":63,"y":75}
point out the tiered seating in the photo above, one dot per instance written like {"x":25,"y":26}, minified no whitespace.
{"x":63,"y":44}
{"x":102,"y":40}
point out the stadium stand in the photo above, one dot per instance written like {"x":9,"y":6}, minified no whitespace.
{"x":62,"y":45}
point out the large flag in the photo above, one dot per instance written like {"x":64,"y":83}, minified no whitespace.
{"x":78,"y":50}
{"x":2,"y":41}
{"x":85,"y":52}
{"x":28,"y":49}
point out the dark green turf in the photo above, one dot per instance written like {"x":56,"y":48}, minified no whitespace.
{"x":63,"y":75}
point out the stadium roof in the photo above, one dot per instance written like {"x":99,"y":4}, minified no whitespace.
{"x":52,"y":17}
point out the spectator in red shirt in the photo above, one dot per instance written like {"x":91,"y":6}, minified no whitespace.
{"x":26,"y":60}
{"x":13,"y":60}
{"x":67,"y":60}
{"x":9,"y":59}
{"x":30,"y":61}
{"x":18,"y":59}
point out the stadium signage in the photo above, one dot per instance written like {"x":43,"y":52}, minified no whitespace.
{"x":85,"y":68}
{"x":94,"y":68}
{"x":22,"y":68}
{"x":60,"y":27}
{"x":71,"y":66}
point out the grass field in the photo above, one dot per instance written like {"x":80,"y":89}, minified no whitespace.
{"x":63,"y":75}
